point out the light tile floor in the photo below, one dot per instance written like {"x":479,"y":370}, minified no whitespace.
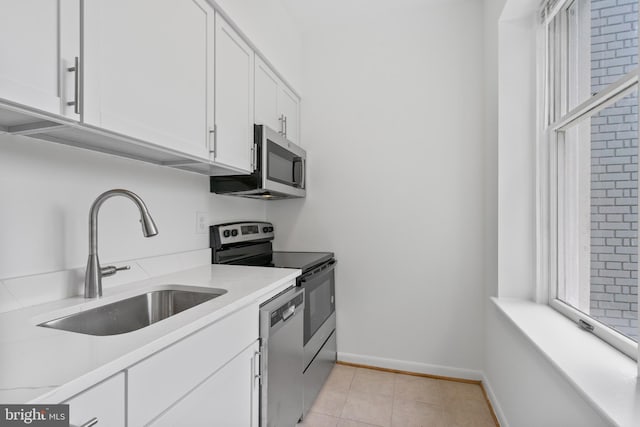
{"x":357,"y":397}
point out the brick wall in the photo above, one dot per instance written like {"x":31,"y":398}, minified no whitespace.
{"x":614,"y":169}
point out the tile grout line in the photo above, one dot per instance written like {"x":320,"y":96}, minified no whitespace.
{"x":349,"y":392}
{"x":393,"y":400}
{"x":437,"y":377}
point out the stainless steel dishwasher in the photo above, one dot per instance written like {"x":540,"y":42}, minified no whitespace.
{"x":282,"y":381}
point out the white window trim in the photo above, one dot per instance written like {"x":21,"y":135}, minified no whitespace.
{"x":547,"y":197}
{"x":602,"y":375}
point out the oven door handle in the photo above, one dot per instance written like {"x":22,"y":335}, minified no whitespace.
{"x":325,"y":268}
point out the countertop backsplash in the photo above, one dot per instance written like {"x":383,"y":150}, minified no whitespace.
{"x":27,"y":291}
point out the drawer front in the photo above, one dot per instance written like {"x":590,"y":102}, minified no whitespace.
{"x":318,"y":372}
{"x":227,"y":399}
{"x":104,"y":402}
{"x":157,"y":382}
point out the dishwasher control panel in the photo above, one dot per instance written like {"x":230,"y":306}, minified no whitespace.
{"x":287,"y":310}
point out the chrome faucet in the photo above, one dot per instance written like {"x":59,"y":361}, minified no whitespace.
{"x":95,"y":273}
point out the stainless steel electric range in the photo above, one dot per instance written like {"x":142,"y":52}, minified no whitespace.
{"x":249,"y":243}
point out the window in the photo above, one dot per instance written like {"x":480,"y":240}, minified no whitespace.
{"x":591,"y":121}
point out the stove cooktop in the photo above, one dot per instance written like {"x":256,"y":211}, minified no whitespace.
{"x":249,"y":243}
{"x":303,"y":260}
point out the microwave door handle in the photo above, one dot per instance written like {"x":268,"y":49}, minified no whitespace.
{"x":296,"y":182}
{"x":304,"y":173}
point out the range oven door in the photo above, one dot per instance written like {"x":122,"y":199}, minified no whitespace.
{"x":320,"y":296}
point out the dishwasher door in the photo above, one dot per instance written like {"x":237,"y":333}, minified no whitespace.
{"x":282,"y":334}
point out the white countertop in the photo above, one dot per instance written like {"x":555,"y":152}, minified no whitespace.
{"x":43,"y":365}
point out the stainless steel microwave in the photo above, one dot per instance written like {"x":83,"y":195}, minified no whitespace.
{"x":280,"y":170}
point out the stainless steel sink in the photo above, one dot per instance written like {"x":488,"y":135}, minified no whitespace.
{"x":135,"y":312}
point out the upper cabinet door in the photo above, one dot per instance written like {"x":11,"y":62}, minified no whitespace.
{"x":266,"y":98}
{"x":146,"y":65}
{"x":275,"y":104}
{"x":39,"y":44}
{"x":289,"y":105}
{"x":234,"y":98}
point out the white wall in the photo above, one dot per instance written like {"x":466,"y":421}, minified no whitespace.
{"x":516,"y":158}
{"x":270,"y":26}
{"x":528,"y":390}
{"x":492,"y":9}
{"x":47,"y":190}
{"x":393,"y":125}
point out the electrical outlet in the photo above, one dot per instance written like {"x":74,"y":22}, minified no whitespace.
{"x":202,"y":219}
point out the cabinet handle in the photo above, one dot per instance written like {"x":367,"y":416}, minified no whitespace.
{"x":285,"y":125}
{"x":93,"y":421}
{"x":281,"y":120}
{"x":76,"y":84}
{"x":257,"y":374}
{"x":213,"y":131}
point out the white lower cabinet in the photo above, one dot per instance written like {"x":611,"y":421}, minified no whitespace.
{"x":104,"y":402}
{"x":208,"y":378}
{"x":158,"y":382}
{"x":227,"y":398}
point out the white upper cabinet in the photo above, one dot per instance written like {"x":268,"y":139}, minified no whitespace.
{"x":266,"y":97}
{"x":276,"y":105}
{"x":290,"y":109}
{"x":169,"y":82}
{"x":39,"y":44}
{"x":146,"y":69}
{"x":233,"y":98}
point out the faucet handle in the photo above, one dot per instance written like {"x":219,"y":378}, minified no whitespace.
{"x":110,"y":270}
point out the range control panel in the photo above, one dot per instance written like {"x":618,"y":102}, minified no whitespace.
{"x":240,"y":232}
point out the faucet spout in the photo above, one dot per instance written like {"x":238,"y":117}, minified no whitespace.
{"x":94,"y":273}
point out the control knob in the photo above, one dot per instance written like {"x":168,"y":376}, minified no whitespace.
{"x":226,"y":233}
{"x":234,"y":232}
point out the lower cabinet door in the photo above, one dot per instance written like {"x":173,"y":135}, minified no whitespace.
{"x":227,"y":398}
{"x":102,"y":403}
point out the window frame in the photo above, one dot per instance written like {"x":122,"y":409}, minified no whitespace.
{"x":554,"y":118}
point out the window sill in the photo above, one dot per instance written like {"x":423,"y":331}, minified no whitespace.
{"x":605,"y":377}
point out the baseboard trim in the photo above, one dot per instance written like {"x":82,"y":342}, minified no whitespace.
{"x":496,"y":410}
{"x":401,"y":366}
{"x":415,"y":374}
{"x":429,"y":371}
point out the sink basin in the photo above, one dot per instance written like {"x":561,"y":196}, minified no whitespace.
{"x":136,"y":312}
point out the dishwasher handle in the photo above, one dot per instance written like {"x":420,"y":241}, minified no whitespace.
{"x":288,"y":312}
